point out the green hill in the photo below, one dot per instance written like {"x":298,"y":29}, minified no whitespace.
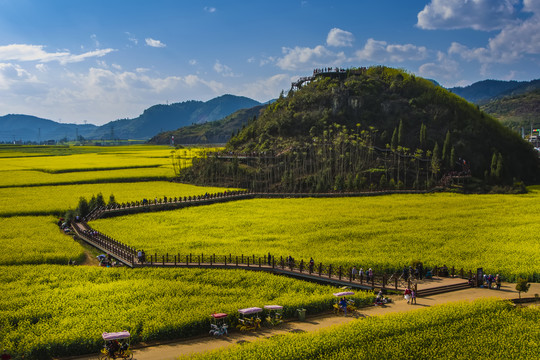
{"x":159,"y":118}
{"x":376,"y":125}
{"x":213,"y":132}
{"x":516,"y":111}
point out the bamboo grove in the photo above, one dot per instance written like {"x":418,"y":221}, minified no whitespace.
{"x":341,"y":159}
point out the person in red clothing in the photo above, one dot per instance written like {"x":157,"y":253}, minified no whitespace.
{"x":407,"y":295}
{"x":5,"y":355}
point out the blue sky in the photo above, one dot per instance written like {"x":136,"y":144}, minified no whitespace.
{"x":98,"y":61}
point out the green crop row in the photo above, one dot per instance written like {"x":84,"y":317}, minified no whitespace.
{"x":51,"y":310}
{"x":495,"y":232}
{"x":484,"y":329}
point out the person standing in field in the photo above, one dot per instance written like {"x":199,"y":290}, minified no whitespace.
{"x":498,"y":281}
{"x":269,"y":259}
{"x":413,"y":297}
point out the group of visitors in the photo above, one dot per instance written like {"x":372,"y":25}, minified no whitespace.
{"x":413,"y":273}
{"x":360,"y":274}
{"x":489,"y":280}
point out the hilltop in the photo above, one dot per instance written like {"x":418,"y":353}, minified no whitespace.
{"x":372,"y":126}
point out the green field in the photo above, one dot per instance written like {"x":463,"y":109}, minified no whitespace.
{"x":496,"y":232}
{"x":479,"y":330}
{"x":51,"y":310}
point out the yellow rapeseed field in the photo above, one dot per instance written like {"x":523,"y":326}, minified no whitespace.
{"x":496,"y":232}
{"x":484,"y":329}
{"x":36,"y":240}
{"x":51,"y":311}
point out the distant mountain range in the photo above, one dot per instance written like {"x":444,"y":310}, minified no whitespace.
{"x":152,"y":121}
{"x":483,"y":91}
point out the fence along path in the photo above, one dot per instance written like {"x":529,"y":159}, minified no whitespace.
{"x":335,"y":275}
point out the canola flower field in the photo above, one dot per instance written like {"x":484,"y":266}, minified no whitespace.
{"x":36,"y":240}
{"x":44,"y":200}
{"x":487,"y":329}
{"x":496,"y":232}
{"x":24,"y":178}
{"x":52,"y":310}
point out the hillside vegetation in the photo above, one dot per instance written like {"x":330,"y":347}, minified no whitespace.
{"x":516,"y":111}
{"x":487,"y":90}
{"x":380,"y":124}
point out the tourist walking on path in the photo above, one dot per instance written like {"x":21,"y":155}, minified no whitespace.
{"x":407,"y":295}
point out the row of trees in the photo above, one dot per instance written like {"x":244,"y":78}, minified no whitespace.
{"x":341,"y":159}
{"x":84,"y":207}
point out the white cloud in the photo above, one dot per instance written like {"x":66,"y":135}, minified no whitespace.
{"x":512,"y":43}
{"x":154,"y":43}
{"x":338,"y":37}
{"x":41,"y":67}
{"x":116,"y":66}
{"x":132,"y":38}
{"x":96,"y":41}
{"x":381,"y":51}
{"x":267,"y":60}
{"x":210,"y":9}
{"x":468,"y":14}
{"x":444,"y":68}
{"x":223,"y":69}
{"x":11,"y":74}
{"x":266,"y":89}
{"x":305,"y":57}
{"x":192,"y":62}
{"x":24,"y":52}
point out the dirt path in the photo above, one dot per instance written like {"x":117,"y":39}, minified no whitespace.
{"x":205,"y":343}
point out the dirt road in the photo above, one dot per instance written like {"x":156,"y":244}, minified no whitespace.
{"x":172,"y":350}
